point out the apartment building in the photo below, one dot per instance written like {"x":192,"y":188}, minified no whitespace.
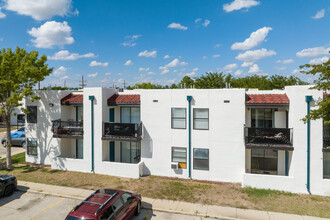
{"x":255,"y":138}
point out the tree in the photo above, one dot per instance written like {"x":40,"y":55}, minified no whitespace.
{"x":210,"y":81}
{"x":20,"y":71}
{"x":186,"y":82}
{"x":321,"y":83}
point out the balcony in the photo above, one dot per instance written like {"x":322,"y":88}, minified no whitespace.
{"x":326,"y":138}
{"x":122,"y":131}
{"x":269,"y":138}
{"x":67,"y":129}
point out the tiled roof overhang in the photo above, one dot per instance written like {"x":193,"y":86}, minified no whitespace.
{"x":124,"y":100}
{"x":72,"y":99}
{"x":267,"y":100}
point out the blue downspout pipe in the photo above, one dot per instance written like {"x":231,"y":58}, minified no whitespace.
{"x":308,"y":100}
{"x":189,"y":98}
{"x":91,"y":98}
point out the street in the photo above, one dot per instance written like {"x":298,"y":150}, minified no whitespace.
{"x":26,"y":205}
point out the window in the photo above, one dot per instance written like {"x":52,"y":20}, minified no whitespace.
{"x":79,"y":148}
{"x":179,"y":154}
{"x":264,"y":161}
{"x":32,"y":147}
{"x":201,"y":159}
{"x":130,"y":152}
{"x":109,"y":214}
{"x":261,"y":118}
{"x":32,"y":116}
{"x":79,"y":113}
{"x":326,"y":165}
{"x":118,"y":206}
{"x":125,"y":197}
{"x":201,"y":118}
{"x":178,"y":118}
{"x":130,"y":115}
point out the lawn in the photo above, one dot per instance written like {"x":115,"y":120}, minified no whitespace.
{"x":215,"y":193}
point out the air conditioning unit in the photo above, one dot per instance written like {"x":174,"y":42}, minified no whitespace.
{"x":175,"y":165}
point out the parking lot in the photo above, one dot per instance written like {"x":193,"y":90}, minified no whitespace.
{"x":26,"y":205}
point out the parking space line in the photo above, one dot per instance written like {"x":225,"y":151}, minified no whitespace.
{"x":49,"y":207}
{"x":147,"y":215}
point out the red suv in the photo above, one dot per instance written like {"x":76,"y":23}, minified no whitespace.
{"x":107,"y":204}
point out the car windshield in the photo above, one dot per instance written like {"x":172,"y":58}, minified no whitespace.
{"x":21,"y":129}
{"x":69,"y":217}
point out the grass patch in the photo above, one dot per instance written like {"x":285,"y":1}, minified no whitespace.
{"x":16,"y":159}
{"x":223,"y":194}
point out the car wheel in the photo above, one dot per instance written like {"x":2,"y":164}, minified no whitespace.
{"x":24,"y":145}
{"x":9,"y":190}
{"x":138,"y":208}
{"x":4,"y":143}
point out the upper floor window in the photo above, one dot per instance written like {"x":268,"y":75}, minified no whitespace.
{"x":261,"y":118}
{"x":178,"y":118}
{"x":130,"y":115}
{"x":32,"y":116}
{"x":201,"y":118}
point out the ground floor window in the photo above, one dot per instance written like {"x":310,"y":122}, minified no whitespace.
{"x":264,"y":161}
{"x":80,"y":149}
{"x":179,"y":154}
{"x":130,"y":152}
{"x":201,"y":159}
{"x":32,"y":147}
{"x":326,"y":165}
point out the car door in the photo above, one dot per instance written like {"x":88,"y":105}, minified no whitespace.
{"x":129,"y":206}
{"x":118,"y":207}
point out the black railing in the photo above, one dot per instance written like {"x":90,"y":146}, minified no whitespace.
{"x":122,"y":129}
{"x":326,"y":136}
{"x":67,"y":128}
{"x":268,"y":136}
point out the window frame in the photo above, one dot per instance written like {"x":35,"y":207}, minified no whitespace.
{"x":28,"y":117}
{"x":185,"y":118}
{"x":181,"y":157}
{"x":264,"y":157}
{"x":28,"y":150}
{"x":208,"y":159}
{"x":208,"y":119}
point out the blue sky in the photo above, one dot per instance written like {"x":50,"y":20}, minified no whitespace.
{"x":161,"y":41}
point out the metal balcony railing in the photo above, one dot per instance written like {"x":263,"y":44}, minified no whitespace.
{"x":122,"y":131}
{"x":67,"y":128}
{"x":268,"y":136}
{"x":326,"y":137}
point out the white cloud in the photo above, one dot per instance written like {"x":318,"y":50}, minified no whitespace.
{"x":107,"y":74}
{"x":141,"y":69}
{"x":238,"y":72}
{"x":285,"y":61}
{"x":66,"y":55}
{"x":148,"y":53}
{"x":64,"y":77}
{"x":51,"y":34}
{"x":254,"y":69}
{"x":319,"y":14}
{"x":131,"y":42}
{"x":254,"y":55}
{"x":151,"y":73}
{"x":92,"y":75}
{"x":128,"y":63}
{"x":230,"y":66}
{"x":192,"y":73}
{"x":204,"y":57}
{"x":313,"y":52}
{"x":40,"y":9}
{"x":198,"y":20}
{"x":239,"y":4}
{"x":95,"y":63}
{"x":281,"y":68}
{"x":2,"y":15}
{"x":295,"y":71}
{"x":166,"y":56}
{"x":175,"y":63}
{"x":60,"y":71}
{"x":177,"y":26}
{"x":206,"y":23}
{"x":217,"y":45}
{"x":254,"y":40}
{"x":247,"y":64}
{"x":216,"y":55}
{"x":165,"y":71}
{"x":319,"y":60}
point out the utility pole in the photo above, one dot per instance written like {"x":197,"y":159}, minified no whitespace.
{"x":82,"y":84}
{"x":64,"y":83}
{"x":39,"y":85}
{"x":124,"y":84}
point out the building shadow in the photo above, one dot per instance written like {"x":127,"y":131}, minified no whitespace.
{"x":21,"y":190}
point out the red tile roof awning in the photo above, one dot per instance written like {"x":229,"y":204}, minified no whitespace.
{"x":124,"y":100}
{"x":326,"y":95}
{"x":267,"y":99}
{"x":72,"y":99}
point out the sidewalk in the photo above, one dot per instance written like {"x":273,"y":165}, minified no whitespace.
{"x":170,"y":206}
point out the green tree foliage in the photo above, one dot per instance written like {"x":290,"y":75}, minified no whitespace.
{"x":210,"y":81}
{"x":186,"y":82}
{"x":321,"y":83}
{"x":20,"y":71}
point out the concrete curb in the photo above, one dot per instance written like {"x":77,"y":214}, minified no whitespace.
{"x":171,"y":206}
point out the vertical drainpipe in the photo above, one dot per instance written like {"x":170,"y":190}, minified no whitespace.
{"x":91,"y":98}
{"x":308,"y":100}
{"x":189,"y":98}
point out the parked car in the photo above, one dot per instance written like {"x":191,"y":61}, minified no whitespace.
{"x":8,"y":185}
{"x":107,"y":204}
{"x":17,"y":138}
